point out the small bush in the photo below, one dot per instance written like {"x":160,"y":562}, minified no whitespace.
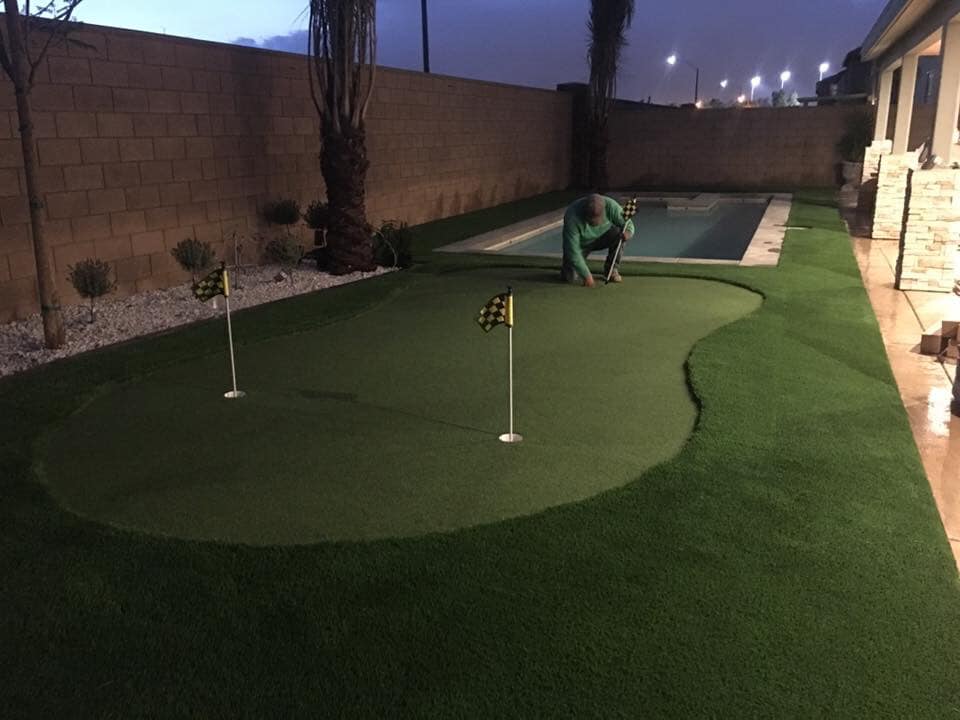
{"x":91,"y":279}
{"x":391,"y":245}
{"x":316,"y":215}
{"x":193,"y":256}
{"x":283,"y":251}
{"x":858,"y":135}
{"x":282,"y":212}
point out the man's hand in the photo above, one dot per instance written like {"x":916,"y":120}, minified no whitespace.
{"x":627,"y":234}
{"x":588,"y":281}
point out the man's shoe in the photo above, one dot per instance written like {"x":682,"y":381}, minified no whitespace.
{"x":615,"y":277}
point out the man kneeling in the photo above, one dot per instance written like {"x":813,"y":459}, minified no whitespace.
{"x":592,"y":223}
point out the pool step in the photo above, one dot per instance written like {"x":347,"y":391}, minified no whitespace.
{"x":702,"y":203}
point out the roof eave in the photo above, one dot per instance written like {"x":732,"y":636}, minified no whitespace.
{"x":889,"y":16}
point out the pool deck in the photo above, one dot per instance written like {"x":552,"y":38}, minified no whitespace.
{"x":763,"y":251}
{"x":925,"y":382}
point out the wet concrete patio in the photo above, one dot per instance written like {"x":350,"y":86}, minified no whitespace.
{"x":924,"y":381}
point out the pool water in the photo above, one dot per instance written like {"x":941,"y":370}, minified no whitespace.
{"x":723,"y":233}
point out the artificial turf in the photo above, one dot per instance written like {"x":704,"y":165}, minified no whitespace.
{"x":386,"y":424}
{"x":788,"y":562}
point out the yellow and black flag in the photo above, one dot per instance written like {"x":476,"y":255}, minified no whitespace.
{"x":499,"y":311}
{"x":216,"y":283}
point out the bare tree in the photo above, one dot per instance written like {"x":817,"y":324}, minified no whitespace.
{"x":21,"y":53}
{"x":343,"y":46}
{"x":608,"y":24}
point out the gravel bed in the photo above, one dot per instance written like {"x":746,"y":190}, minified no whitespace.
{"x":123,"y":318}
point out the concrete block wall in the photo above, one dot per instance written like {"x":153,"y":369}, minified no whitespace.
{"x":764,"y":148}
{"x":144,"y":140}
{"x":931,"y":231}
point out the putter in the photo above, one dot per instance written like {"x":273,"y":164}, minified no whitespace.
{"x":629,"y":210}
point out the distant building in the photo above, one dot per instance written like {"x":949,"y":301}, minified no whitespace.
{"x":853,"y":79}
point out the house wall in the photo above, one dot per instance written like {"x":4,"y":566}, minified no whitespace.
{"x":144,"y":140}
{"x":763,"y":148}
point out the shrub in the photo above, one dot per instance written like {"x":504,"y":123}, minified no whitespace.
{"x":193,"y":256}
{"x":284,"y":251}
{"x":282,"y":212}
{"x":316,"y":215}
{"x":392,"y":245}
{"x":858,"y":136}
{"x":91,"y":279}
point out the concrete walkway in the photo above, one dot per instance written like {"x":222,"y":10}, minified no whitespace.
{"x":925,"y":383}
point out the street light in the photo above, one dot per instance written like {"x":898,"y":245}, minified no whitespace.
{"x":754,"y":84}
{"x":741,"y":99}
{"x":824,"y":66}
{"x":784,"y":78}
{"x":724,"y":83}
{"x":672,"y":60}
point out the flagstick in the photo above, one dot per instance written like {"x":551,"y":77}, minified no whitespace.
{"x":510,"y":437}
{"x":616,"y":259}
{"x":233,"y":394}
{"x":510,"y":344}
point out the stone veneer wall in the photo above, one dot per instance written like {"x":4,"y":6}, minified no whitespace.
{"x":891,"y":195}
{"x":146,"y":139}
{"x":867,"y":195}
{"x":931,"y":231}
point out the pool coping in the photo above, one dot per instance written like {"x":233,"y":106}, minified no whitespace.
{"x":763,"y":251}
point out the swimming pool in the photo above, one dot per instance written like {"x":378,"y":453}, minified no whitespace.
{"x":703,"y":228}
{"x":721,"y":234}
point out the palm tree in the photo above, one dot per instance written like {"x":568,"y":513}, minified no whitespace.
{"x":20,"y":55}
{"x":608,"y":23}
{"x":343,"y":43}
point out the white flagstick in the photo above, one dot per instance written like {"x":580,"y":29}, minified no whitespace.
{"x":233,"y":394}
{"x":616,"y":255}
{"x":510,"y":437}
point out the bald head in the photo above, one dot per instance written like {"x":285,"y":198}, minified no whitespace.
{"x":595,"y":209}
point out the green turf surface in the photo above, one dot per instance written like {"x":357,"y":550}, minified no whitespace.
{"x":362,"y":443}
{"x":788,"y":562}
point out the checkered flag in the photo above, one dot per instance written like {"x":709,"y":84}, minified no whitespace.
{"x":499,"y":311}
{"x":214,"y":284}
{"x":629,"y":209}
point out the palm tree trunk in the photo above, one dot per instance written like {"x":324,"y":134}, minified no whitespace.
{"x":343,"y":161}
{"x":598,"y":140}
{"x":53,"y":331}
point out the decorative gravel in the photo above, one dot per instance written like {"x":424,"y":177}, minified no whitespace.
{"x":123,"y":318}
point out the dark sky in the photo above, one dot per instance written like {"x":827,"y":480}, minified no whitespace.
{"x":543,"y":42}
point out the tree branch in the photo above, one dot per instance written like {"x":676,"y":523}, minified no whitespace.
{"x":59,"y":26}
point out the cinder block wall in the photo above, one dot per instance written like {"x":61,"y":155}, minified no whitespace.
{"x":145,"y":140}
{"x":764,"y":148}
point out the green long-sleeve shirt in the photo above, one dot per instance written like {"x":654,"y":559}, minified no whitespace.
{"x":578,"y":233}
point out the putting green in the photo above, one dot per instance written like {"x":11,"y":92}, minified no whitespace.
{"x":386,"y":424}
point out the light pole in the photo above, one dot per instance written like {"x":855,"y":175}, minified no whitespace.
{"x":426,"y":36}
{"x":672,"y":60}
{"x":824,"y":66}
{"x":785,"y":78}
{"x":754,"y":84}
